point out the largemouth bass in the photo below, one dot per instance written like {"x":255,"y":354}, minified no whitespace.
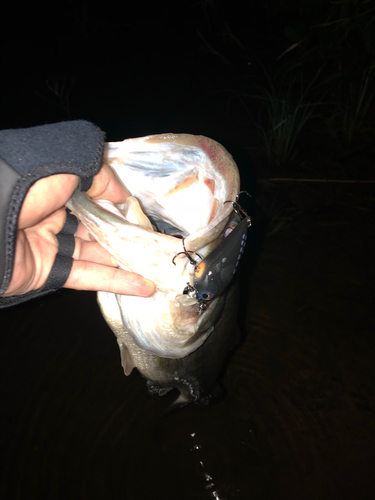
{"x":180,"y":210}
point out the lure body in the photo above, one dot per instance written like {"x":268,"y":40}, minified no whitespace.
{"x":216,"y":271}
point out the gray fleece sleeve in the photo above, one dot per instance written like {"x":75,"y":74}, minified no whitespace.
{"x":27,"y":155}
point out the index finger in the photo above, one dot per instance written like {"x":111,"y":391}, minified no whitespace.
{"x":92,"y":276}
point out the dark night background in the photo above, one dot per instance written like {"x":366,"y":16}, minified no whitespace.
{"x":298,"y":418}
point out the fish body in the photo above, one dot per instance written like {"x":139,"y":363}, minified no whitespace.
{"x":179,"y":182}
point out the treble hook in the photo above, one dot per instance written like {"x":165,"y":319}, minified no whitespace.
{"x":238,"y":209}
{"x":192,"y":292}
{"x":187,"y":254}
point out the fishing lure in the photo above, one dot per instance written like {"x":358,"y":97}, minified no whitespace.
{"x":214,"y":273}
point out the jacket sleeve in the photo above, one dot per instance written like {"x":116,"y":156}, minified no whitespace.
{"x":27,"y":155}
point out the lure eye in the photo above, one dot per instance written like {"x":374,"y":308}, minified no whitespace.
{"x":206,"y":296}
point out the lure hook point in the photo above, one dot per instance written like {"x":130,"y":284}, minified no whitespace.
{"x":187,"y":253}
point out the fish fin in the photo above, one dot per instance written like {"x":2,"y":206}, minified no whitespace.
{"x":126,"y":359}
{"x":215,"y":394}
{"x":179,"y":402}
{"x":154,"y":388}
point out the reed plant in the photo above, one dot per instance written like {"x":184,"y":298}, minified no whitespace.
{"x":348,"y":115}
{"x":286,"y":106}
{"x":355,"y":109}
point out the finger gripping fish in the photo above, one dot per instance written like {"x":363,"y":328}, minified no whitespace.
{"x":179,"y":185}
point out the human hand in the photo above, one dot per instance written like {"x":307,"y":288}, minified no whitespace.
{"x":43,"y":216}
